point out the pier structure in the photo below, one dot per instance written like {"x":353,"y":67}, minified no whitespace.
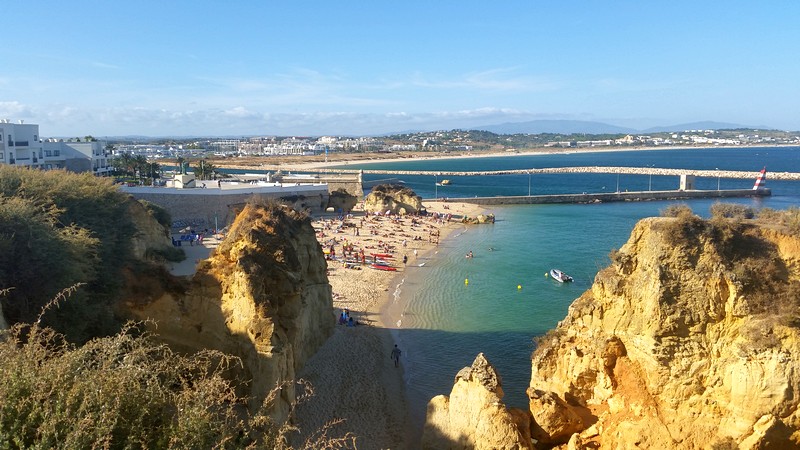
{"x":637,"y":196}
{"x":733,"y":174}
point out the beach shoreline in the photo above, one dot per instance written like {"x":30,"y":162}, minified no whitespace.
{"x":352,"y":374}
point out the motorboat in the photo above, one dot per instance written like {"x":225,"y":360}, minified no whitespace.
{"x":560,"y":276}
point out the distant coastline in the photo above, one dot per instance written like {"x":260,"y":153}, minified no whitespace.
{"x":354,"y":158}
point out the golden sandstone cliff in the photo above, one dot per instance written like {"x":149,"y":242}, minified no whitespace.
{"x":394,"y":198}
{"x":262,"y":296}
{"x":690,"y":339}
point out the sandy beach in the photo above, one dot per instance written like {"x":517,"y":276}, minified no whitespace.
{"x":353,"y":374}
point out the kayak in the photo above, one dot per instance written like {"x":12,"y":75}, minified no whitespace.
{"x":382,"y":255}
{"x":382,"y":267}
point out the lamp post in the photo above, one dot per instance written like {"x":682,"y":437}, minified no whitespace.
{"x":436,"y":186}
{"x":617,"y":183}
{"x":650,"y":184}
{"x":718,"y":176}
{"x":529,"y":183}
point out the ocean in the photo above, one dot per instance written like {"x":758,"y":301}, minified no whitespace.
{"x":498,"y":301}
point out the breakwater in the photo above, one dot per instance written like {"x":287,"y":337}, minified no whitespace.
{"x":615,"y":197}
{"x":732,"y":174}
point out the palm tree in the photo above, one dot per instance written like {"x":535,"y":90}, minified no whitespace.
{"x":180,"y":160}
{"x":139,"y":165}
{"x":204,"y":170}
{"x":123,"y":163}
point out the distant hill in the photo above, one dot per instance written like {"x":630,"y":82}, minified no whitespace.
{"x":555,"y":126}
{"x":705,"y":125}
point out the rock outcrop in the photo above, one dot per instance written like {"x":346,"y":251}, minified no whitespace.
{"x":474,"y":415}
{"x":690,"y":339}
{"x":341,"y":200}
{"x":479,"y":219}
{"x":395,"y":198}
{"x":262,"y":296}
{"x":150,"y":236}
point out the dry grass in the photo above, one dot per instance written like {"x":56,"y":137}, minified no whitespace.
{"x":129,"y":392}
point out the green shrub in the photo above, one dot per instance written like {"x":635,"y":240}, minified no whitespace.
{"x":158,"y":212}
{"x":56,"y":229}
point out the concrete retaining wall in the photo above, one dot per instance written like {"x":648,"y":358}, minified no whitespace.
{"x":214,"y":207}
{"x":613,"y":197}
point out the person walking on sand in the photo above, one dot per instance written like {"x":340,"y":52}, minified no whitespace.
{"x":396,"y":355}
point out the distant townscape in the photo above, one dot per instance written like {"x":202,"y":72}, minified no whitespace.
{"x":22,"y":144}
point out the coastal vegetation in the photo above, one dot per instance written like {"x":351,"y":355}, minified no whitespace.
{"x":753,"y":263}
{"x":128,"y":391}
{"x":77,"y":374}
{"x":58,"y":229}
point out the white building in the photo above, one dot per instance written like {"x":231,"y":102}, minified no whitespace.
{"x":76,"y":156}
{"x":20,"y":144}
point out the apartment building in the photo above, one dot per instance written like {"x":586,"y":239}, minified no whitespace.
{"x":88,"y":156}
{"x":20,"y":144}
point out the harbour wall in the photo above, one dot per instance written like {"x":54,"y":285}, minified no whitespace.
{"x":614,"y":197}
{"x":215,"y":207}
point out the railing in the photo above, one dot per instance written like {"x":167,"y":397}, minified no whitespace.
{"x":21,"y":143}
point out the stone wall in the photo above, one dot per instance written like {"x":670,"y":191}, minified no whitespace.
{"x":216,"y":208}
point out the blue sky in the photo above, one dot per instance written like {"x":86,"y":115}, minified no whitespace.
{"x":177,"y":68}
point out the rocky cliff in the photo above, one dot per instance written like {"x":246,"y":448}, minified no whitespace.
{"x":690,"y":339}
{"x":262,"y":296}
{"x":394,"y":198}
{"x":474,"y":415}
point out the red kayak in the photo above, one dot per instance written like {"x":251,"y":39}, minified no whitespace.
{"x":382,"y":267}
{"x":382,"y":255}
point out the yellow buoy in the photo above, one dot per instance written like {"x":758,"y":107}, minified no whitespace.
{"x":466,"y":280}
{"x":546,"y":274}
{"x":519,"y":286}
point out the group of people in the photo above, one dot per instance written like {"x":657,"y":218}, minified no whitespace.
{"x":346,"y":319}
{"x":191,"y":238}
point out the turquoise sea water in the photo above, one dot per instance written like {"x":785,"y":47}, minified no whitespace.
{"x":444,"y":322}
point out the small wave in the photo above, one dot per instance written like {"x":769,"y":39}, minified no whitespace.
{"x":398,"y":290}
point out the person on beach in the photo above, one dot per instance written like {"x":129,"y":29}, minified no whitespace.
{"x":396,"y":355}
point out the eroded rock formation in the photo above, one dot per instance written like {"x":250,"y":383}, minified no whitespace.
{"x":474,"y":415}
{"x":479,"y":219}
{"x":262,"y":296}
{"x":395,"y":198}
{"x":341,"y":200}
{"x":690,"y":339}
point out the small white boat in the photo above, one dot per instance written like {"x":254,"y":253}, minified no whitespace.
{"x":560,"y":276}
